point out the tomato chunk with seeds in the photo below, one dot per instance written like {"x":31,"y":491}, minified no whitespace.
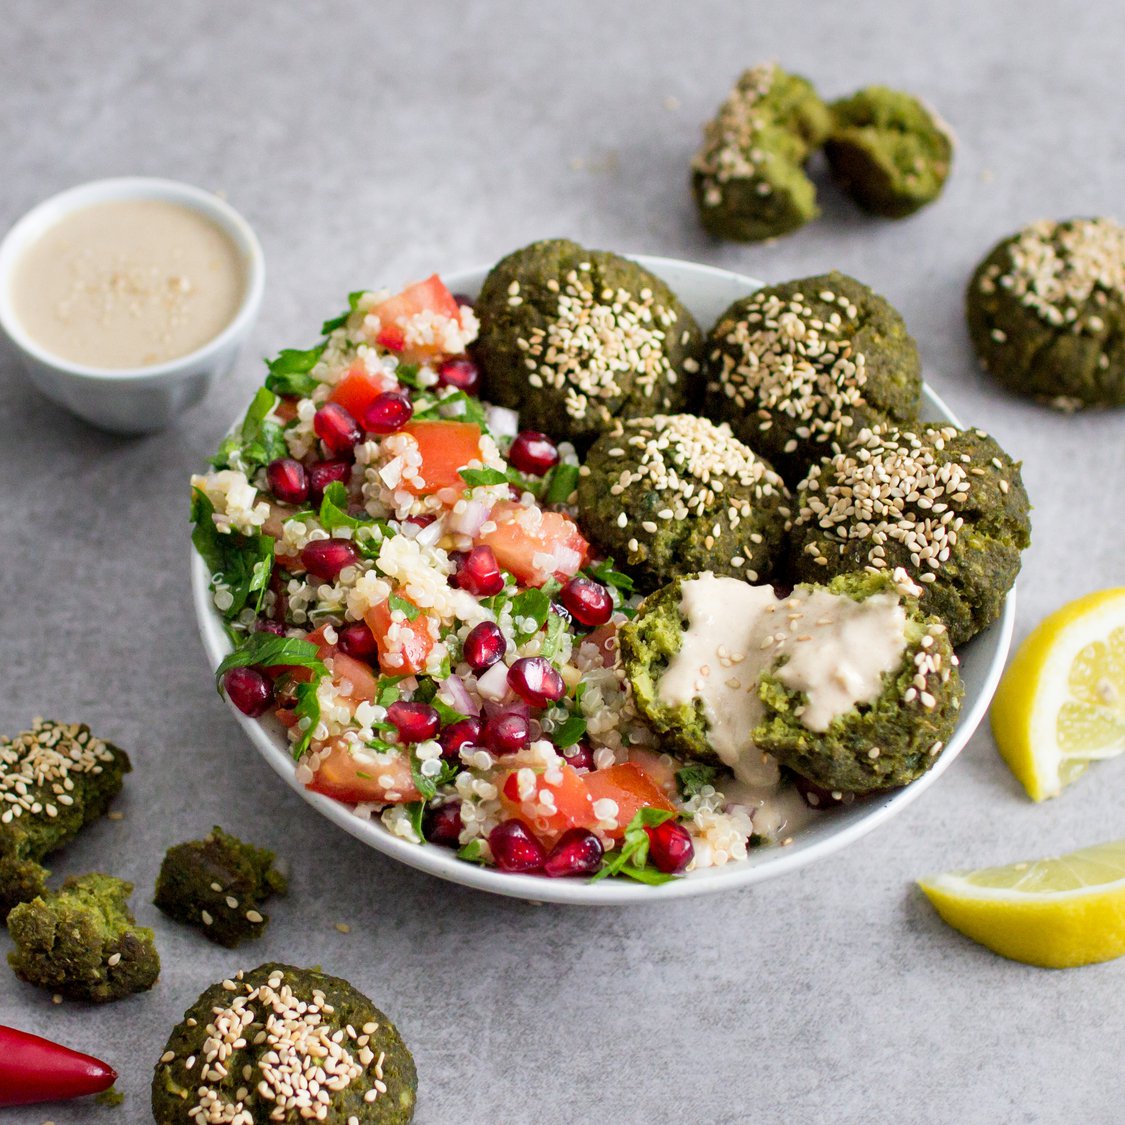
{"x":353,"y":679}
{"x":535,"y":545}
{"x":631,"y":788}
{"x":446,"y":447}
{"x":573,"y":805}
{"x":364,"y":778}
{"x":429,"y":296}
{"x":404,"y":646}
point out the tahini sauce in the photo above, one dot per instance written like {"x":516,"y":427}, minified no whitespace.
{"x":130,"y":283}
{"x":837,"y":651}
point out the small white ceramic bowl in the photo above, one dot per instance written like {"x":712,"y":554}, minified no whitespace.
{"x":141,"y":399}
{"x":707,"y":291}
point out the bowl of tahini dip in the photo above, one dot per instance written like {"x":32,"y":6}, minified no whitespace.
{"x":127,"y":298}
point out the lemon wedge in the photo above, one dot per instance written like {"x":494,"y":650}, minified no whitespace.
{"x":1056,"y":913}
{"x":1061,"y":703}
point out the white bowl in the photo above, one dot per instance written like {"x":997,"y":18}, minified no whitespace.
{"x":707,"y":291}
{"x":141,"y":399}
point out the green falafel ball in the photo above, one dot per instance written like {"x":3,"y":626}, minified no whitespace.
{"x":889,"y":151}
{"x":279,"y":1043}
{"x":881,"y":743}
{"x":676,"y":494}
{"x":798,"y":368}
{"x":748,"y":177}
{"x":217,"y":884}
{"x":575,"y":339}
{"x":82,"y":941}
{"x":1046,"y":312}
{"x":948,"y":506}
{"x":54,"y":780}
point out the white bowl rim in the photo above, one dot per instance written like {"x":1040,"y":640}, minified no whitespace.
{"x":761,"y":864}
{"x":33,"y":224}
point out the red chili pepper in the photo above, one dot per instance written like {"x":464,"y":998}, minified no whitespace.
{"x":33,"y":1069}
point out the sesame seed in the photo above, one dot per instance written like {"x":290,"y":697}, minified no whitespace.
{"x":253,"y":916}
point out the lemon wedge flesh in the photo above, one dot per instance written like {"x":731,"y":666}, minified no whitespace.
{"x":1061,"y":703}
{"x":1056,"y":913}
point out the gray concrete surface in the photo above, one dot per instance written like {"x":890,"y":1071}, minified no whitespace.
{"x":373,"y":143}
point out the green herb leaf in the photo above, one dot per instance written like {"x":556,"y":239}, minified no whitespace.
{"x":342,"y":319}
{"x":533,"y":604}
{"x":308,"y":707}
{"x":417,"y":810}
{"x":289,"y":372}
{"x":428,"y":405}
{"x":473,"y":852}
{"x":549,"y":646}
{"x":239,"y":564}
{"x":603,"y":572}
{"x":691,"y":779}
{"x":476,"y":477}
{"x":648,"y":875}
{"x":561,"y":483}
{"x":267,"y":650}
{"x":428,"y":786}
{"x":633,"y":852}
{"x":407,"y":374}
{"x":448,"y":714}
{"x":408,"y":609}
{"x":334,"y":509}
{"x":257,"y":442}
{"x":387,"y":691}
{"x":569,"y":733}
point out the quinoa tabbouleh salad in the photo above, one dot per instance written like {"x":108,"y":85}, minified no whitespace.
{"x":410,"y":588}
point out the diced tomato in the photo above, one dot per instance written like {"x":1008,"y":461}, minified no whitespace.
{"x":286,"y":410}
{"x":430,"y":295}
{"x":356,"y":391}
{"x":347,"y":778}
{"x":445,"y":447}
{"x":361,"y":680}
{"x":658,"y":766}
{"x":631,"y":787}
{"x":408,"y":653}
{"x":573,"y":804}
{"x":522,"y":533}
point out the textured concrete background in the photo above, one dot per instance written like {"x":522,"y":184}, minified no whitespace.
{"x":371,"y":144}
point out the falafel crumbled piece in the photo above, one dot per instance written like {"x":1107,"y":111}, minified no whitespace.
{"x":82,"y":941}
{"x":279,"y":1043}
{"x":575,"y":339}
{"x":218,"y":884}
{"x":799,"y":368}
{"x":889,"y":151}
{"x":748,"y":177}
{"x":1046,"y":312}
{"x":54,"y":780}
{"x":947,"y":506}
{"x":676,"y":494}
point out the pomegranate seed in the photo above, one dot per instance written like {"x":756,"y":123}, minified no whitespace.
{"x":420,"y":521}
{"x":511,"y":788}
{"x":464,"y":300}
{"x":455,"y":737}
{"x":249,"y":690}
{"x":484,"y":646}
{"x":443,"y":825}
{"x":324,"y":473}
{"x":415,"y":722}
{"x":388,"y":413}
{"x":479,"y":573}
{"x":461,"y":373}
{"x":669,"y":847}
{"x":275,"y":627}
{"x":288,"y":480}
{"x":535,"y":680}
{"x":533,"y":453}
{"x":506,"y":733}
{"x":587,"y":601}
{"x":336,"y":428}
{"x":578,"y":852}
{"x":817,"y":797}
{"x":514,"y":847}
{"x":357,"y":640}
{"x":581,"y":757}
{"x":325,"y":558}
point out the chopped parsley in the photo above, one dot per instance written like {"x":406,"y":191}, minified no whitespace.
{"x":631,"y":859}
{"x":691,"y":779}
{"x":407,"y":608}
{"x":474,"y":478}
{"x":561,"y":483}
{"x":339,"y":321}
{"x":267,"y":650}
{"x":257,"y":442}
{"x":334,"y":509}
{"x":289,"y":372}
{"x":569,"y":732}
{"x":238,"y":564}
